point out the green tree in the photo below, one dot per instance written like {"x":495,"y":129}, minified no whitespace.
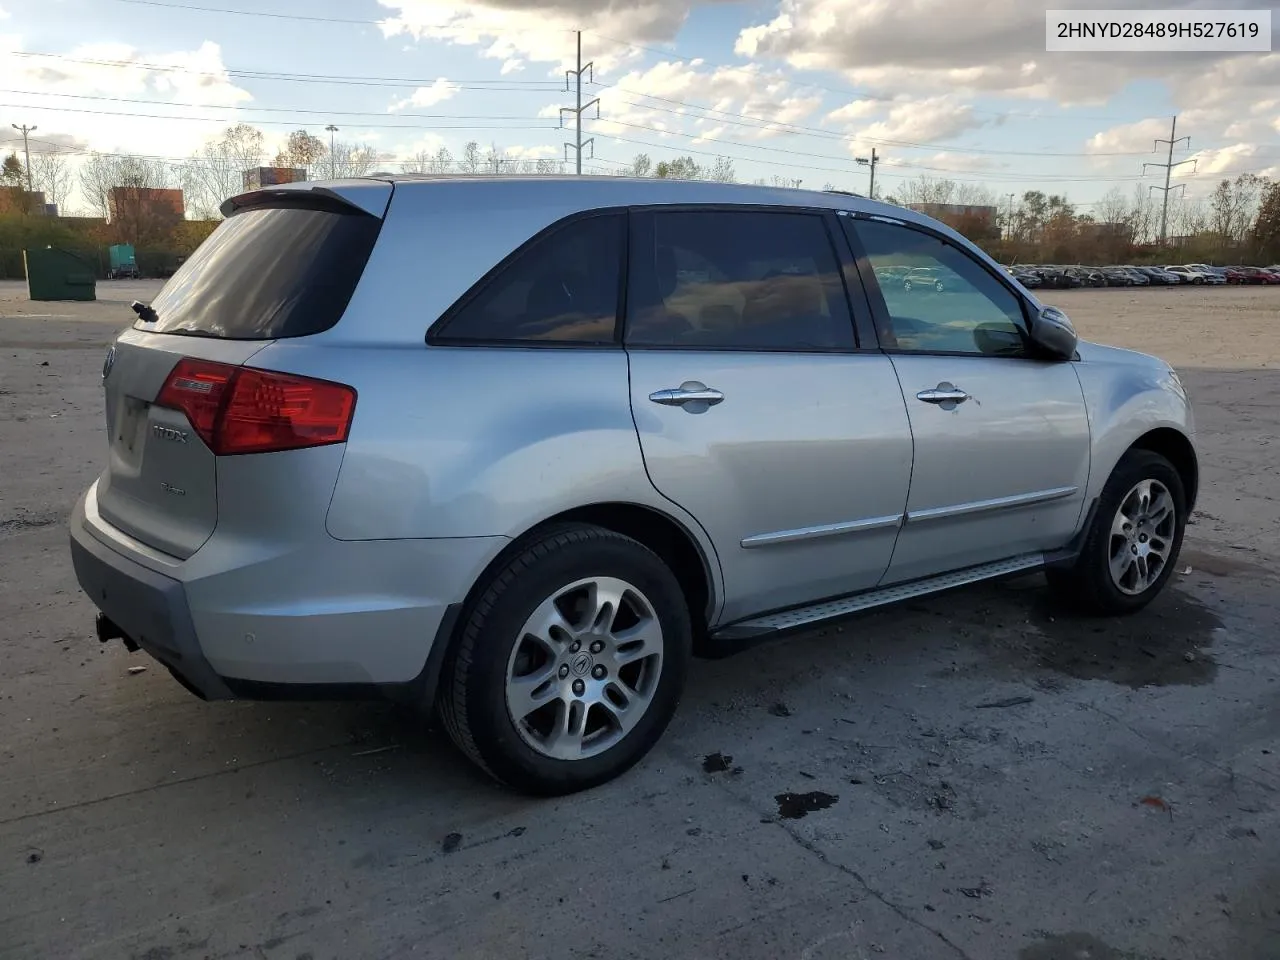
{"x":12,"y":173}
{"x":1266,"y":228}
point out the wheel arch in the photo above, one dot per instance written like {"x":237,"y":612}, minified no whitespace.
{"x":696,"y":569}
{"x":1176,"y":447}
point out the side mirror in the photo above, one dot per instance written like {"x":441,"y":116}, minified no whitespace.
{"x":1052,"y":332}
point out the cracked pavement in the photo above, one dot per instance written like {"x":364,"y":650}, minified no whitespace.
{"x":978,"y":775}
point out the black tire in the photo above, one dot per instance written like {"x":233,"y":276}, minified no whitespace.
{"x":1088,"y":583}
{"x":472,"y":701}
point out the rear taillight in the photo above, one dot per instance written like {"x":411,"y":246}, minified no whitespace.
{"x":242,"y":410}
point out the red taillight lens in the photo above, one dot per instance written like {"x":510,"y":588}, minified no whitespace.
{"x":241,"y":410}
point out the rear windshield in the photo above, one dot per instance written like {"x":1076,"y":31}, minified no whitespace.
{"x":269,"y":272}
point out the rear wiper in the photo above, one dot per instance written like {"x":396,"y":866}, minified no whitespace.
{"x":145,"y":311}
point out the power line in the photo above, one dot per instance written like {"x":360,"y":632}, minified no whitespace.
{"x":802,"y":130}
{"x":334,"y":78}
{"x":221,"y":106}
{"x":254,"y":13}
{"x":287,"y":123}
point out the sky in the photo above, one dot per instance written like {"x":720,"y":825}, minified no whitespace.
{"x":790,"y":88}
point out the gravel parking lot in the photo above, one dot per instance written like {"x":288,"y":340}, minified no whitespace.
{"x":978,"y":775}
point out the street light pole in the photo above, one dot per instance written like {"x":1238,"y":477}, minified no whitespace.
{"x":26,"y":149}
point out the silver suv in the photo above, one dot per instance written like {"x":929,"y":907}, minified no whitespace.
{"x":512,"y":448}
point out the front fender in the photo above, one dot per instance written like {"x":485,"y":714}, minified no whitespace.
{"x":1127,"y":395}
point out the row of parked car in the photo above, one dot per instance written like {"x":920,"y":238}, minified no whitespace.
{"x":1054,"y":277}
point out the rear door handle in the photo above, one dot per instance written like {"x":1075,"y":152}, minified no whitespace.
{"x":691,"y":392}
{"x":943,"y":393}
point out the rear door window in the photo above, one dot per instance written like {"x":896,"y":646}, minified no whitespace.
{"x":269,"y":272}
{"x":737,"y":280}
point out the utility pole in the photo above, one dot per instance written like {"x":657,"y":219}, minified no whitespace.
{"x":875,"y":158}
{"x":1168,"y":174}
{"x":1009,"y":220}
{"x":577,"y":146}
{"x":26,"y":149}
{"x":332,"y":159}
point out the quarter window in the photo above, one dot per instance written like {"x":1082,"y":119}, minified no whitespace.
{"x":746,"y":280}
{"x":562,"y":288}
{"x":939,"y":299}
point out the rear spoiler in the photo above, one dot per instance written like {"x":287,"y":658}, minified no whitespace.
{"x":368,"y":196}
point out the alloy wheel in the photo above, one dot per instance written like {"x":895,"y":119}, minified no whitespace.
{"x":1142,"y":534}
{"x":585,"y":668}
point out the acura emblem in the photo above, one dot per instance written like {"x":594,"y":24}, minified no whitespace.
{"x":108,"y":363}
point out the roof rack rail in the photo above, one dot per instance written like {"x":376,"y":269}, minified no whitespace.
{"x":847,"y":193}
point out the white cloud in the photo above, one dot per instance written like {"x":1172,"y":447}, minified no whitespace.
{"x":111,"y":70}
{"x":438,"y":92}
{"x":921,"y":120}
{"x":541,"y":31}
{"x":511,"y":66}
{"x":855,"y":110}
{"x":986,"y":46}
{"x":4,"y":14}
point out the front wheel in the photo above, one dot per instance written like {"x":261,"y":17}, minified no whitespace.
{"x":571,"y":662}
{"x":1132,"y":544}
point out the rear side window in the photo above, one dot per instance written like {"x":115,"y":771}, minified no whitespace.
{"x":738,"y":280}
{"x":560,"y":288}
{"x":269,"y":272}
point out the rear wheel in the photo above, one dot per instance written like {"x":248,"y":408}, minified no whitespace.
{"x":571,"y":662}
{"x":1133,"y":541}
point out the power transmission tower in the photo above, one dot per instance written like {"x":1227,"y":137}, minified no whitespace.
{"x":331,"y":129}
{"x":26,"y":149}
{"x":875,"y":158}
{"x":1168,"y":174}
{"x":577,"y":111}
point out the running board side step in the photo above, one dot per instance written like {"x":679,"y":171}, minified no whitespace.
{"x":798,"y":617}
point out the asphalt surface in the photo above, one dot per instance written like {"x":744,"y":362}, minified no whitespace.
{"x":977,"y":775}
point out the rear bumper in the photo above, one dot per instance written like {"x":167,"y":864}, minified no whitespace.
{"x":150,"y":608}
{"x":319,"y":619}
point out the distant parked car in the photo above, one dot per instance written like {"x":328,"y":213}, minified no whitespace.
{"x":1028,"y":278}
{"x":1197,"y":275}
{"x":1087,"y":276}
{"x":1262,"y":275}
{"x":1117,"y":277}
{"x":1236,"y":274}
{"x":1160,"y":276}
{"x":1140,"y":279}
{"x":1252,"y":274}
{"x":925,"y":278}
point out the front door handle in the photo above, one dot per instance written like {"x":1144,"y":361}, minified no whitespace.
{"x":690,"y":393}
{"x":943,"y":393}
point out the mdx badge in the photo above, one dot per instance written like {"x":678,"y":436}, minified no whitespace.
{"x":169,"y":433}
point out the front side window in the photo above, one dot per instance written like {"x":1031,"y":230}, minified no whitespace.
{"x":939,"y":299}
{"x":562,"y":288}
{"x":744,"y":280}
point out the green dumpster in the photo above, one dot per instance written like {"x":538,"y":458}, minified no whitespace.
{"x":54,"y":274}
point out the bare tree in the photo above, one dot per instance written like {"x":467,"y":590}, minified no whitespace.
{"x":352,"y":159}
{"x":51,"y":175}
{"x":471,"y":160}
{"x":722,"y":171}
{"x":641,"y":166}
{"x":304,"y":150}
{"x":926,"y":189}
{"x":101,"y":172}
{"x":217,"y":169}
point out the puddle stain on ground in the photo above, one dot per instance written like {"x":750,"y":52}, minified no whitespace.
{"x":1073,"y":946}
{"x":793,"y":806}
{"x":1162,"y":645}
{"x":716,"y":763}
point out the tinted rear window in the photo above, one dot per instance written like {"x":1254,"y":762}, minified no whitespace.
{"x":269,"y":272}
